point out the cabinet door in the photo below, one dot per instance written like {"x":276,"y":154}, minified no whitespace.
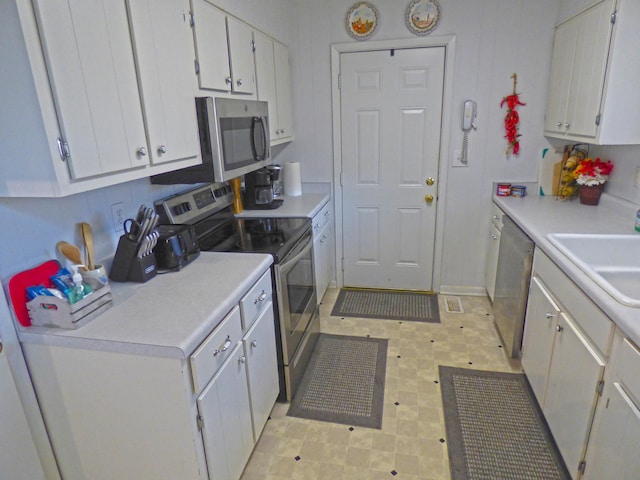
{"x":492,"y":261}
{"x":613,"y":444}
{"x":266,"y":80}
{"x":283,"y":87}
{"x":91,"y":68}
{"x":571,"y":391}
{"x":18,"y":455}
{"x":537,"y":342}
{"x":210,"y":34}
{"x":589,"y":67}
{"x":165,"y":56}
{"x":262,"y":368}
{"x":240,"y":38}
{"x":224,"y":410}
{"x":564,"y":47}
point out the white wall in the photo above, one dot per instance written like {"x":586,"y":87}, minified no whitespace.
{"x":494,"y":38}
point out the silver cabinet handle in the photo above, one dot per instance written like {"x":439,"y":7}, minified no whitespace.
{"x":559,"y":328}
{"x":242,"y":359}
{"x":558,"y":124}
{"x":239,"y":82}
{"x":162,"y":149}
{"x":566,"y":126}
{"x":224,"y":348}
{"x":227,"y":80}
{"x":142,"y":151}
{"x":1,"y":347}
{"x":282,"y":130}
{"x":254,"y":343}
{"x":549,"y":315}
{"x":494,"y":236}
{"x":261,"y":298}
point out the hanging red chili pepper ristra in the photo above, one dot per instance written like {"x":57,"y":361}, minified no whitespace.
{"x":512,"y":118}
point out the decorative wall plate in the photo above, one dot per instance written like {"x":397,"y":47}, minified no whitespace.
{"x":422,"y":16}
{"x":362,"y":20}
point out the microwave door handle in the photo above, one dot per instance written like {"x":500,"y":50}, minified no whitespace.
{"x":263,"y":137}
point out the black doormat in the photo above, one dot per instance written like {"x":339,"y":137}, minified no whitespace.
{"x":344,"y":382}
{"x":387,"y":304}
{"x":495,"y":428}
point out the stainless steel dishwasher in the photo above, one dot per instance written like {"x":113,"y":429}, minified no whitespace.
{"x":512,"y":285}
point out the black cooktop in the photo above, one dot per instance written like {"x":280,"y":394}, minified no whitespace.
{"x":251,"y":235}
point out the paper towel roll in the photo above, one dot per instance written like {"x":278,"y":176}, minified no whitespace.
{"x":292,"y":179}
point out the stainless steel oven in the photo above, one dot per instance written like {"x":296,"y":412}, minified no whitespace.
{"x":288,"y":240}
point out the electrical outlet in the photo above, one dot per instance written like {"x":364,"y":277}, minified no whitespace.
{"x":117,"y":213}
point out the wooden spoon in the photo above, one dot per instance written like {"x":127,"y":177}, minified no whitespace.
{"x":87,"y":236}
{"x":71,"y":252}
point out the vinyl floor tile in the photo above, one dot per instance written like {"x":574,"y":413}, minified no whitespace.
{"x":409,"y":444}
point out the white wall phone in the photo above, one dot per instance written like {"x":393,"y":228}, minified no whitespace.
{"x":469,"y":112}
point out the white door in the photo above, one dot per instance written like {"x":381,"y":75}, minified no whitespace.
{"x":391,"y":108}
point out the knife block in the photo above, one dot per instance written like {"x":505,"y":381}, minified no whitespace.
{"x":127,"y":267}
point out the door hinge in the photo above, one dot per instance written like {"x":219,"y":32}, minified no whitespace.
{"x":196,"y":64}
{"x":63,"y":149}
{"x":200,"y":422}
{"x":614,"y":16}
{"x":581,"y":466}
{"x":598,"y":117}
{"x":192,"y":19}
{"x":600,"y":387}
{"x":253,"y":46}
{"x":342,"y":264}
{"x":339,"y":81}
{"x":340,"y":178}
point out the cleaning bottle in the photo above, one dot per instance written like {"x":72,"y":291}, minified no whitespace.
{"x":79,"y":290}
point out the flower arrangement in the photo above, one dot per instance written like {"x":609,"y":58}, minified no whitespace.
{"x":590,"y":172}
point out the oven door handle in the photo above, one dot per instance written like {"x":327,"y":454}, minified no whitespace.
{"x":289,"y":263}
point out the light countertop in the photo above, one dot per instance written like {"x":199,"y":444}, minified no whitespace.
{"x":539,"y":216}
{"x":305,"y":205}
{"x":167,"y":316}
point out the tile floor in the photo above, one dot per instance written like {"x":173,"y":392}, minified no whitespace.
{"x":411,"y":443}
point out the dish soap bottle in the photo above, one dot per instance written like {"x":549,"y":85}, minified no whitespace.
{"x":79,"y":290}
{"x":638,"y":221}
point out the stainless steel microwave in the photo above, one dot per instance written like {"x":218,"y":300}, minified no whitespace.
{"x":234,"y":140}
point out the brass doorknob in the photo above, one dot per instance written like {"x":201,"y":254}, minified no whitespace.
{"x":430,"y":181}
{"x":428,"y":198}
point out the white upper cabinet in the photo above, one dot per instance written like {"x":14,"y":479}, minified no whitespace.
{"x":274,"y":85}
{"x":165,"y":57}
{"x":97,"y":88}
{"x":224,"y":48}
{"x":93,"y":79}
{"x":240,"y":36}
{"x":593,"y":80}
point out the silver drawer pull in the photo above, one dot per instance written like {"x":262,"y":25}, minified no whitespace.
{"x":549,"y":315}
{"x":261,"y":298}
{"x":559,"y":328}
{"x":242,"y":359}
{"x":225,"y":346}
{"x":254,"y":343}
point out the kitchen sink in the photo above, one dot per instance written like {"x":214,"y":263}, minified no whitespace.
{"x":611,"y":261}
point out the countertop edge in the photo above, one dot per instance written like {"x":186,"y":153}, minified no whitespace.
{"x":625,"y":317}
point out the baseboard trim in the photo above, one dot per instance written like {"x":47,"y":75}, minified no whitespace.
{"x":458,"y":290}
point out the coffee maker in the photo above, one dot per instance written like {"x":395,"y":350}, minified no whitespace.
{"x":258,"y":188}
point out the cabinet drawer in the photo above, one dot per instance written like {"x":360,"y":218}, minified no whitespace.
{"x":255,"y":300}
{"x":211,"y":354}
{"x":627,"y":368}
{"x":321,"y":219}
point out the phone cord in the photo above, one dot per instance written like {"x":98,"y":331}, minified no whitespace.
{"x":465,"y":143}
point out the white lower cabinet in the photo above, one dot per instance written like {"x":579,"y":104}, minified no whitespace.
{"x":323,"y":249}
{"x":156,"y":412}
{"x":539,"y":330}
{"x":262,"y":368}
{"x":226,"y":427}
{"x":572,"y":391}
{"x":565,"y":346}
{"x":614,"y":442}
